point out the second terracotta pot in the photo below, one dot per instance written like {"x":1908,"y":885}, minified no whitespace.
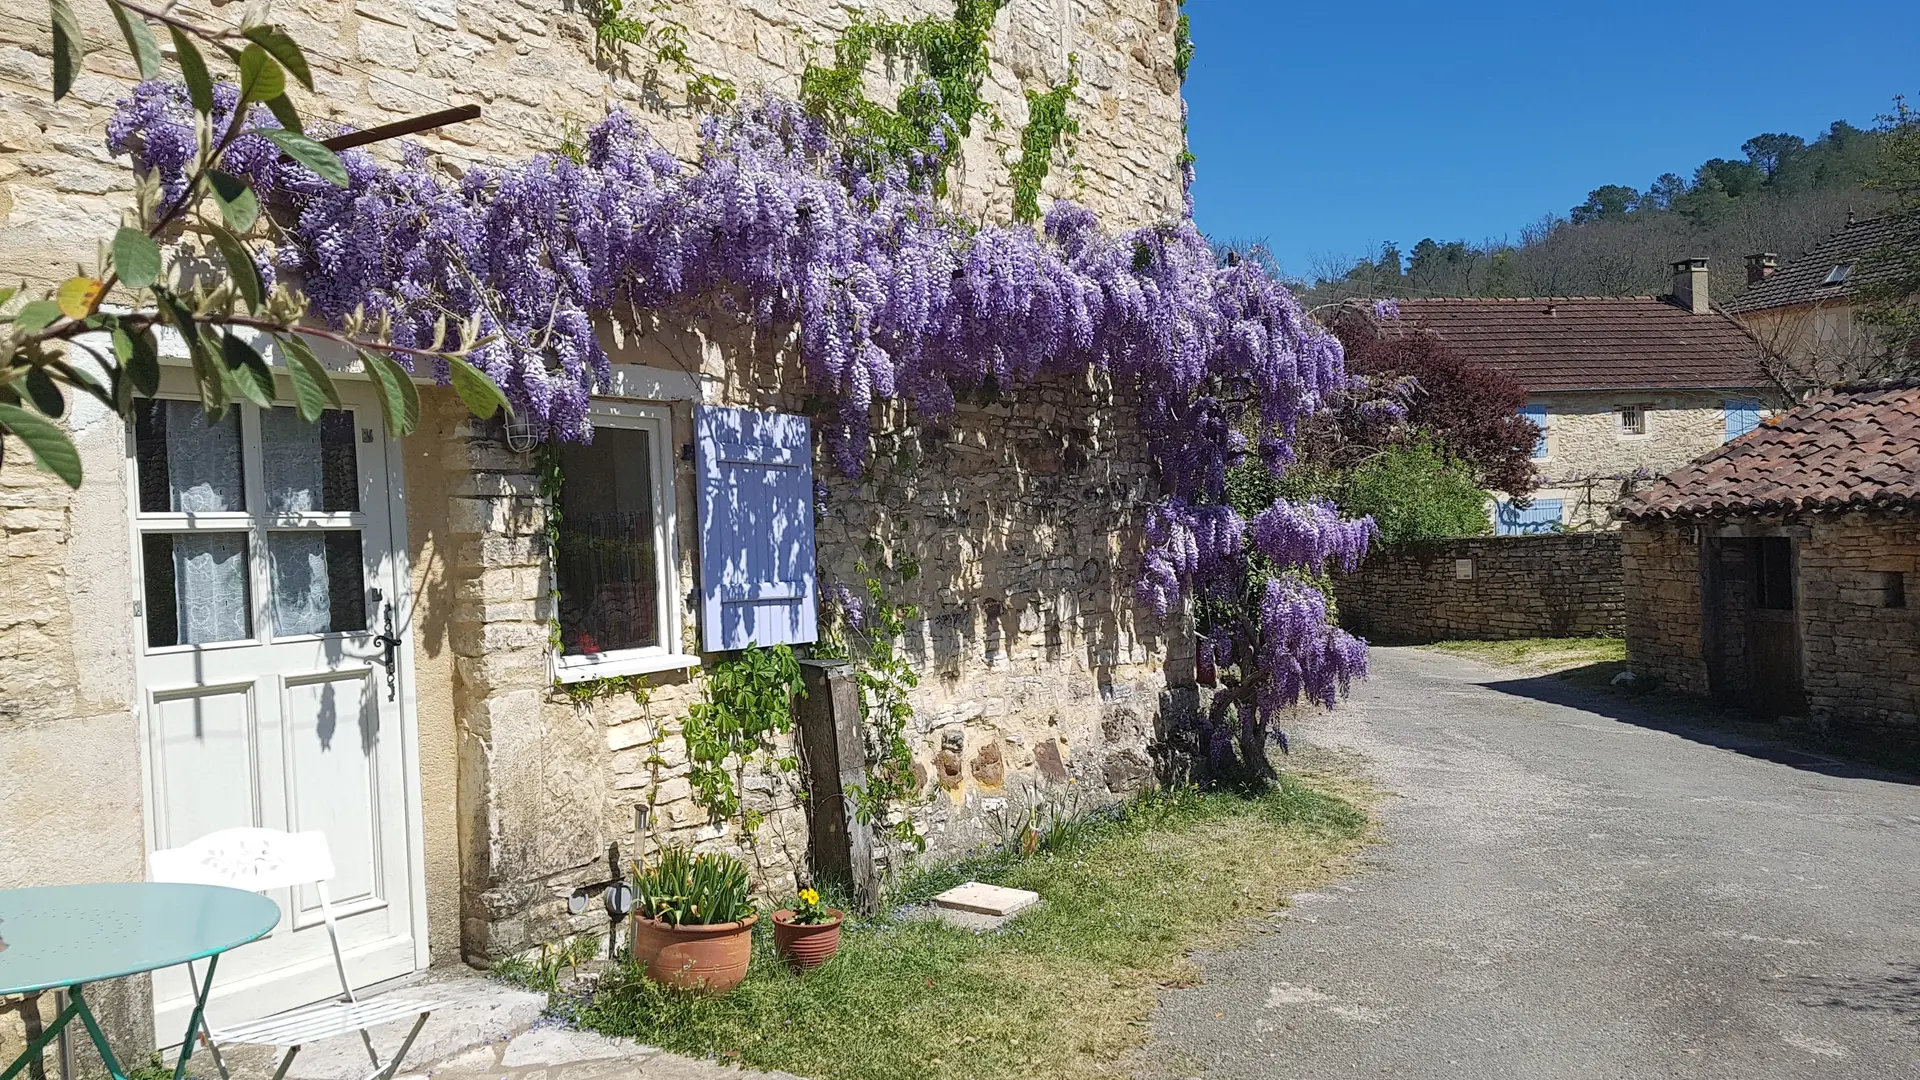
{"x":712,"y":959}
{"x":807,"y":945}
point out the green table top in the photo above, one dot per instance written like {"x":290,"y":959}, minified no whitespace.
{"x":65,"y":935}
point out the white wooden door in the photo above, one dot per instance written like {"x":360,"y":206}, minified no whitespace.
{"x":266,"y":578}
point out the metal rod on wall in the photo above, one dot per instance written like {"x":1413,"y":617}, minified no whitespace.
{"x":411,"y":126}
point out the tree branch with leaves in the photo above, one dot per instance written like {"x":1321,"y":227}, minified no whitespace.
{"x":225,"y":305}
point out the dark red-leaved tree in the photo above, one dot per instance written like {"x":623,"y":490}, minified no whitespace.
{"x":1472,"y":412}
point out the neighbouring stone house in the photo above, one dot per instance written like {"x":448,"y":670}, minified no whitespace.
{"x":465,"y":793}
{"x":1624,"y":388}
{"x":1805,"y":311}
{"x":1775,"y":573}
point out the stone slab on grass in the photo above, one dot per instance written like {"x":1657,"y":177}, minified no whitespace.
{"x":991,"y":900}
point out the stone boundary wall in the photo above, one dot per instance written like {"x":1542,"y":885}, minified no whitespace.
{"x":1491,"y":587}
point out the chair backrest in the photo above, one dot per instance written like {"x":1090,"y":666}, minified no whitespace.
{"x":251,"y":859}
{"x":257,"y":860}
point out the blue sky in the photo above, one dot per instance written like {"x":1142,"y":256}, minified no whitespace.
{"x":1328,"y":128}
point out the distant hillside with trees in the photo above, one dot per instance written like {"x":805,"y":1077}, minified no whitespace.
{"x":1783,"y":196}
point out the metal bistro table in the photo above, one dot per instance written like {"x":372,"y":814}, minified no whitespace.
{"x":65,"y":937}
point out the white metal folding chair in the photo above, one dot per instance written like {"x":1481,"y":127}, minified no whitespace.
{"x":261,"y":859}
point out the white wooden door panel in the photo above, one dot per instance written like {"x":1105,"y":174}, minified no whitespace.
{"x":266,"y":572}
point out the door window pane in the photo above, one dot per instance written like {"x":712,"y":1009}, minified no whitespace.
{"x":317,"y":586}
{"x":185,"y":464}
{"x":608,"y":569}
{"x":196,"y":587}
{"x":310,"y":468}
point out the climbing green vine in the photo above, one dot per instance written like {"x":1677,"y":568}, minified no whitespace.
{"x":868,"y":634}
{"x":1182,"y":59}
{"x":616,"y":29}
{"x":1048,"y":126}
{"x":747,"y":700}
{"x":1182,"y":43}
{"x":932,"y":113}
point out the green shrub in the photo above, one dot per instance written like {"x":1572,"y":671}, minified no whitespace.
{"x":1415,"y":492}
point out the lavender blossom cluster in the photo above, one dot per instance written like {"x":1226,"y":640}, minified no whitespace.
{"x":893,"y":297}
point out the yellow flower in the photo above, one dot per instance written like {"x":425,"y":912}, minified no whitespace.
{"x":809,"y":897}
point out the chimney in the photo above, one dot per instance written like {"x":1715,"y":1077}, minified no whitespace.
{"x":1761,"y":265}
{"x":1690,"y":285}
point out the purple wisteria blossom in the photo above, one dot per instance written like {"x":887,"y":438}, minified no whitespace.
{"x":894,"y":298}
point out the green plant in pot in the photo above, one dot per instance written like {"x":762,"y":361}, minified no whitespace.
{"x":693,"y":920}
{"x":807,"y":934}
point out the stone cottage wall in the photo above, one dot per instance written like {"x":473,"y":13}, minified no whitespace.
{"x":1042,"y":683}
{"x":1028,"y":628}
{"x":1664,"y":622}
{"x":1495,"y":587}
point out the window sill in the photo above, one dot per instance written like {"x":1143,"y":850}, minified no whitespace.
{"x":576,"y":669}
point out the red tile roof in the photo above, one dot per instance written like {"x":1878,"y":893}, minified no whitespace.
{"x":1846,"y":449}
{"x":1595,"y":342}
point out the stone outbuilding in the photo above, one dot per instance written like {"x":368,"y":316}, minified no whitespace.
{"x":1774,"y":573}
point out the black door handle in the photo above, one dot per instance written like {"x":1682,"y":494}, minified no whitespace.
{"x":389,"y":643}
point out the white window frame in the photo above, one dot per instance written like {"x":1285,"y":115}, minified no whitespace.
{"x":1620,"y":421}
{"x":658,"y":421}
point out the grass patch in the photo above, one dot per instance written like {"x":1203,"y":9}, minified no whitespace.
{"x":1541,"y":655}
{"x":1062,"y":992}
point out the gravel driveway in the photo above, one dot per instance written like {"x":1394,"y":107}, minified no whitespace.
{"x":1569,"y":890}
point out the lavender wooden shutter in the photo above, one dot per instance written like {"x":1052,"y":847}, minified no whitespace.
{"x":1741,"y":417}
{"x":756,"y":528}
{"x":1537,"y":414}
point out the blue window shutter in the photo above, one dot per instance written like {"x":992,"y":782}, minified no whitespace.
{"x":1742,"y":417}
{"x":756,"y":528}
{"x":1543,"y":516}
{"x":1538,"y":414}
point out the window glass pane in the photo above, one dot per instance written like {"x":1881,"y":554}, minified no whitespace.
{"x":608,"y":570}
{"x":310,"y":468}
{"x":185,"y":465}
{"x":317,"y":586}
{"x":196,"y":588}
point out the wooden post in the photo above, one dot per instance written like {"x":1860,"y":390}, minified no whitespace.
{"x":841,"y":847}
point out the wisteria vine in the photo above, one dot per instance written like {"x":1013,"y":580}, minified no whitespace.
{"x":893,"y":298}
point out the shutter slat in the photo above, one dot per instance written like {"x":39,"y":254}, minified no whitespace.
{"x":756,"y":528}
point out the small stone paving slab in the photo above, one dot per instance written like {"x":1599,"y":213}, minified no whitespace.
{"x":982,"y":899}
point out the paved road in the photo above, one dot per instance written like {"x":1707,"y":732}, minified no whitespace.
{"x":1568,"y":892}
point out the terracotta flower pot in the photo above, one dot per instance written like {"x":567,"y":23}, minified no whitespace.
{"x":807,"y":945}
{"x":709,"y":958}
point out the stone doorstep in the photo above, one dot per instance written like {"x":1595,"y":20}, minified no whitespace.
{"x":475,"y":1011}
{"x":991,"y":900}
{"x":484,"y":1030}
